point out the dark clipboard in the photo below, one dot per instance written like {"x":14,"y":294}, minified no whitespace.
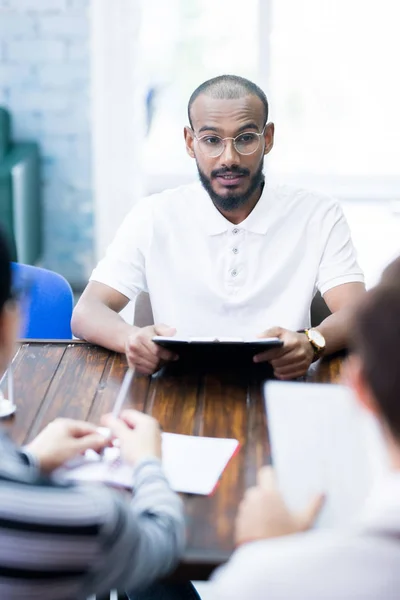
{"x":213,"y":351}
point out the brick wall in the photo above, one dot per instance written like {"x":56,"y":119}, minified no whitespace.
{"x":44,"y":81}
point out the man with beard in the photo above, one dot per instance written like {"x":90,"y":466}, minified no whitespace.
{"x":228,"y":257}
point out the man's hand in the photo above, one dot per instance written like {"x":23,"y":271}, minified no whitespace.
{"x":293,"y":358}
{"x":143,"y":354}
{"x":263,"y":514}
{"x":62,"y":440}
{"x":139,"y":435}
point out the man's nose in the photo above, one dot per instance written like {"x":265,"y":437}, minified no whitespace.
{"x":230,"y":156}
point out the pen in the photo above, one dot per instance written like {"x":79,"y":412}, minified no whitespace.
{"x":123,"y":392}
{"x":5,"y":374}
{"x":126,"y":383}
{"x":10,"y":382}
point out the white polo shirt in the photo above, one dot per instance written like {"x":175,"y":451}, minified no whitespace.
{"x":208,"y":277}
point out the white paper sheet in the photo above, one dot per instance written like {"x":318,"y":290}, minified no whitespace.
{"x":323,"y":441}
{"x":192,"y":464}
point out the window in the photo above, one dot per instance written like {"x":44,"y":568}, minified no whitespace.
{"x":332,"y":84}
{"x":335,"y":94}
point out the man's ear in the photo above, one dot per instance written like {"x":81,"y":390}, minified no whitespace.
{"x":189,"y":141}
{"x":353,"y":375}
{"x":269,"y":133}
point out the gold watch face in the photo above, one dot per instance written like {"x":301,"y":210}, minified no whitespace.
{"x":317,"y":338}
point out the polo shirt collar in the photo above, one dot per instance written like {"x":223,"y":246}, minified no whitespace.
{"x":259,"y":218}
{"x":256,"y":222}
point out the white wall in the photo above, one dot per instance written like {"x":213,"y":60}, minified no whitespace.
{"x":44,"y":82}
{"x":118,"y":114}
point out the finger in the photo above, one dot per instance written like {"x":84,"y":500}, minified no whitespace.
{"x":270,"y":355}
{"x":287,"y":371}
{"x":147,"y":367}
{"x":78,"y":429}
{"x":297,"y":370}
{"x":117,"y":427}
{"x":249,"y":494}
{"x":165,"y":330}
{"x":94,"y":441}
{"x":293,"y":357}
{"x":106,"y":433}
{"x":266,"y":478}
{"x":143,"y":347}
{"x":141,"y":357}
{"x":291,"y":376}
{"x":135,"y":418}
{"x":307,"y":518}
{"x":158,"y":351}
{"x":272,"y":332}
{"x":166,"y":355}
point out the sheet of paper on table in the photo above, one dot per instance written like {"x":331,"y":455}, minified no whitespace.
{"x":192,"y":464}
{"x":323,"y":441}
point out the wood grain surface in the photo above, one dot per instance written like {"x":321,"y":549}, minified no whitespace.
{"x":78,"y":380}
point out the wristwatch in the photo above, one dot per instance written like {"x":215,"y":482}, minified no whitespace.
{"x":316,"y":340}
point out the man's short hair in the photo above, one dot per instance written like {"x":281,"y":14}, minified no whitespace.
{"x":377,"y":343}
{"x":5,"y":271}
{"x":229,"y":87}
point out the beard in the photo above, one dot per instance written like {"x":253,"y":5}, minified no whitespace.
{"x":232,"y":201}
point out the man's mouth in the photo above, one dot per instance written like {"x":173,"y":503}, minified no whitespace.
{"x":229,"y":178}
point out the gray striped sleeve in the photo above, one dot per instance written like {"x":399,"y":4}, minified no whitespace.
{"x":142,"y":540}
{"x":60,"y":541}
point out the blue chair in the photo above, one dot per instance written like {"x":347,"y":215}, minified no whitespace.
{"x":47,"y":304}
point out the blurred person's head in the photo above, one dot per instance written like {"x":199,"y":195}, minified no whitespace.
{"x":374,"y":366}
{"x":231,"y":171}
{"x":391,"y":275}
{"x":8,"y":310}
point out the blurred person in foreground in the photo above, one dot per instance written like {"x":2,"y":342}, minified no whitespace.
{"x":391,"y":275}
{"x":71,"y":541}
{"x":277,"y":557}
{"x":229,"y":255}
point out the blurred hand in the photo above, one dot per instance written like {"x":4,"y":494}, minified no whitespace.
{"x":62,"y":440}
{"x":143,"y":354}
{"x":139,"y":435}
{"x":293,"y":358}
{"x":263,"y":514}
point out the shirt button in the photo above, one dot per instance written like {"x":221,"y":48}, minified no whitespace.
{"x":235,"y":231}
{"x":235,"y":250}
{"x":234,"y":272}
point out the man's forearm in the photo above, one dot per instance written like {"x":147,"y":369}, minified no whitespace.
{"x":336,"y":330}
{"x":98,"y":324}
{"x":342,"y":301}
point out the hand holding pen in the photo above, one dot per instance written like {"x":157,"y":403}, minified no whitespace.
{"x":139,"y":435}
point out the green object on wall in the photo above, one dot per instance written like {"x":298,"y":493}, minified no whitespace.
{"x":20,"y":202}
{"x":5,"y":132}
{"x":6,"y":211}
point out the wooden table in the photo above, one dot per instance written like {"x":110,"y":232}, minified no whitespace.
{"x":78,"y":380}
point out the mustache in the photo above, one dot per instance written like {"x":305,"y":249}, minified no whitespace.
{"x":232,"y":171}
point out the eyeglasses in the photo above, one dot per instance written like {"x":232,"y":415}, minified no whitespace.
{"x":245,"y":143}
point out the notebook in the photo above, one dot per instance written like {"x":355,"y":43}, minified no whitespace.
{"x":192,"y":464}
{"x":323,"y":441}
